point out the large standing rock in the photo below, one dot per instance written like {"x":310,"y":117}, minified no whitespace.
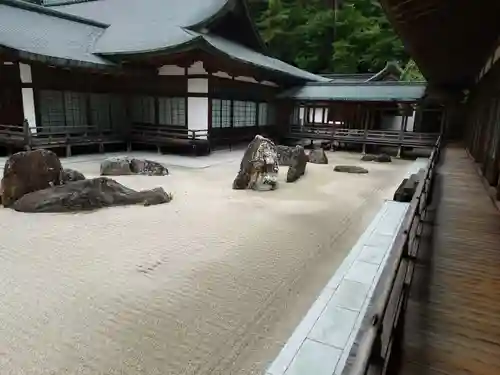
{"x":318,"y":156}
{"x":29,"y":171}
{"x":259,"y":166}
{"x":87,"y":195}
{"x":350,"y":169}
{"x":298,"y":165}
{"x":125,"y":166}
{"x":284,"y":155}
{"x":71,"y":175}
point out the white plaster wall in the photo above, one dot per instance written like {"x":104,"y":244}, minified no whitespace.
{"x":29,"y":107}
{"x":222,"y":75}
{"x":197,"y":68}
{"x":171,"y":70}
{"x":198,"y":114}
{"x":28,"y":95}
{"x":316,"y":115}
{"x":245,"y":79}
{"x":301,"y":115}
{"x":198,"y":85}
{"x":25,"y":71}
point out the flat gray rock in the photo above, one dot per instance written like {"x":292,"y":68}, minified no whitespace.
{"x":350,"y":169}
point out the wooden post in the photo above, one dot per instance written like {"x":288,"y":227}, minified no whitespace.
{"x":366,"y":118}
{"x":68,"y":150}
{"x":404,"y":119}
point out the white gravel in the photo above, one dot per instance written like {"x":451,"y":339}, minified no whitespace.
{"x":212,"y":283}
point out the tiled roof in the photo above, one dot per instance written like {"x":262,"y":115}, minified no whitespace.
{"x":47,"y":34}
{"x":88,"y":31}
{"x":249,"y":56}
{"x":359,"y":92}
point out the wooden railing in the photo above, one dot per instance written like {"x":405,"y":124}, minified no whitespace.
{"x":388,"y":137}
{"x":386,"y":314}
{"x":166,"y":134}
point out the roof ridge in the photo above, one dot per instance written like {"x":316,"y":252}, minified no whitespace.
{"x":51,"y":12}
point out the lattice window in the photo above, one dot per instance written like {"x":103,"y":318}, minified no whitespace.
{"x":100,"y":109}
{"x":221,"y":113}
{"x":244,"y":114}
{"x":295,"y":116}
{"x":75,"y":107}
{"x":172,"y":111}
{"x":143,"y":109}
{"x":51,"y":109}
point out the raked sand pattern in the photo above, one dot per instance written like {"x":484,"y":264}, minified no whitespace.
{"x":212,"y":283}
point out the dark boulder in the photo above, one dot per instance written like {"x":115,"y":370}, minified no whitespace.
{"x":383,"y":158}
{"x":284,"y":155}
{"x":70,"y":175}
{"x":368,"y":157}
{"x":85,"y":195}
{"x":318,"y":156}
{"x":259,"y":166}
{"x":298,"y":165}
{"x":350,"y":169}
{"x":29,"y":171}
{"x":126,"y":166}
{"x":407,"y":188}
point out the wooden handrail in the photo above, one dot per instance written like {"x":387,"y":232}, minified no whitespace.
{"x":371,"y":357}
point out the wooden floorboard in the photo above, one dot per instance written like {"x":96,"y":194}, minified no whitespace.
{"x":453,"y":318}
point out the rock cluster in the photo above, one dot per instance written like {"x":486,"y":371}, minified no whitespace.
{"x":71,"y":175}
{"x":34,"y":181}
{"x":121,"y":166}
{"x":318,"y":156}
{"x":85,"y":195}
{"x":297,"y":165}
{"x":259,"y":166}
{"x":382,"y":158}
{"x":284,"y":155}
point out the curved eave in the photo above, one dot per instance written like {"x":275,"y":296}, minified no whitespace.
{"x":228,"y":7}
{"x":59,"y":61}
{"x":208,"y":47}
{"x":144,"y":54}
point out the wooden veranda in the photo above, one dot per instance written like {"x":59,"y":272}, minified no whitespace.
{"x":435,"y":310}
{"x":452,"y":317}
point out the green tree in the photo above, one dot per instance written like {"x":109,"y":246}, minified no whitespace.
{"x":312,"y":35}
{"x":411,"y":73}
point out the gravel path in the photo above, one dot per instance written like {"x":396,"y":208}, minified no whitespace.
{"x":212,"y":283}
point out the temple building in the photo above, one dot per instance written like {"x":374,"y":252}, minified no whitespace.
{"x":154,"y":72}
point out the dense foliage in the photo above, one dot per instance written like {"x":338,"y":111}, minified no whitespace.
{"x":313,"y":35}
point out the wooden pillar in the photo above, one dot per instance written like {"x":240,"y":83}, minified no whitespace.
{"x":366,"y":119}
{"x":404,"y":119}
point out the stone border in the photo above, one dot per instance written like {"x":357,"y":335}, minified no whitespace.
{"x":321,"y":343}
